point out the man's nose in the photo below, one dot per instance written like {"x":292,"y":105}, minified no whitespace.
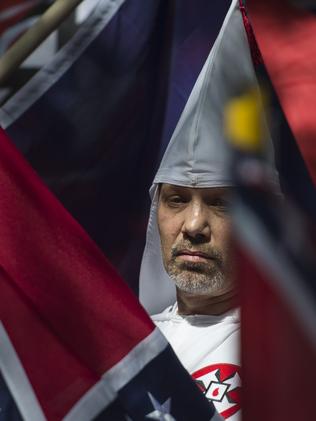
{"x":196,"y":224}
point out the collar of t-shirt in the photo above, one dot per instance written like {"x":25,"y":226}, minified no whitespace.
{"x":171,"y":314}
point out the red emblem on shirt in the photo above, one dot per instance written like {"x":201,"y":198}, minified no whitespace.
{"x":221,"y":384}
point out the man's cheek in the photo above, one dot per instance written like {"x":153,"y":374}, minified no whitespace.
{"x":168,"y":247}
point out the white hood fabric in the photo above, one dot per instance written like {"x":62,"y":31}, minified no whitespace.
{"x":197,"y":155}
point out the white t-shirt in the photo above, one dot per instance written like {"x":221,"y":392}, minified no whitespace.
{"x":208,"y":347}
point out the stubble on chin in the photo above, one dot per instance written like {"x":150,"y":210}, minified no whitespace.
{"x":199,"y":278}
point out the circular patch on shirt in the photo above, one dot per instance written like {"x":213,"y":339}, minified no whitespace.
{"x":221,"y":384}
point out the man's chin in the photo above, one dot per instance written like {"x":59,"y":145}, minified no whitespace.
{"x":195,"y":283}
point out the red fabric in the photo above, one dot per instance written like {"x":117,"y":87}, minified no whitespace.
{"x":57,"y":376}
{"x":278,"y":361}
{"x":5,"y":4}
{"x":6,"y":23}
{"x":286,"y":38}
{"x":61,"y":301}
{"x":254,"y":50}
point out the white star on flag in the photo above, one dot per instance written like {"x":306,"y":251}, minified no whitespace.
{"x":162,"y":410}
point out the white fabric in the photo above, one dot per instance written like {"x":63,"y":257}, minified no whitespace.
{"x":196,"y":155}
{"x":210,"y":343}
{"x":17,"y":381}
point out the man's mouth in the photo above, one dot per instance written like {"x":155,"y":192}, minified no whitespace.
{"x":193,"y":256}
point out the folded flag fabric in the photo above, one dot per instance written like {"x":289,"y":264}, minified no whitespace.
{"x":74,"y":342}
{"x":102,"y":109}
{"x":275,"y":245}
{"x":285,"y":34}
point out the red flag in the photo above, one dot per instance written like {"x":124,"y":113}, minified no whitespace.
{"x":53,"y":275}
{"x":278,"y":358}
{"x":74,"y":342}
{"x":276,"y":251}
{"x":286,"y":38}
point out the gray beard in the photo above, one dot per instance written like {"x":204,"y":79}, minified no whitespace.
{"x":209,"y":278}
{"x":195,"y":280}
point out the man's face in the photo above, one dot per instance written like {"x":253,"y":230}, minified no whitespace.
{"x":195,"y":229}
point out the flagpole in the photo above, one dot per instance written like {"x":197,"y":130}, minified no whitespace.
{"x":28,"y":42}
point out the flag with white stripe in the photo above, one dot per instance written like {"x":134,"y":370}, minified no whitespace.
{"x":74,"y":342}
{"x":275,"y":244}
{"x":96,"y":119}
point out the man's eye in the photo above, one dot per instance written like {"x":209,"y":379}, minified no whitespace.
{"x":221,"y":204}
{"x":175,"y":200}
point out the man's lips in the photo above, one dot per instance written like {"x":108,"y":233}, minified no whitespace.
{"x":193,"y":256}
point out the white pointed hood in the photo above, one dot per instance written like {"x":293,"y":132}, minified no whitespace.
{"x":196,"y":155}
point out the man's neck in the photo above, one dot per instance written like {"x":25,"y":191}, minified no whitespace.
{"x":189,"y":304}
